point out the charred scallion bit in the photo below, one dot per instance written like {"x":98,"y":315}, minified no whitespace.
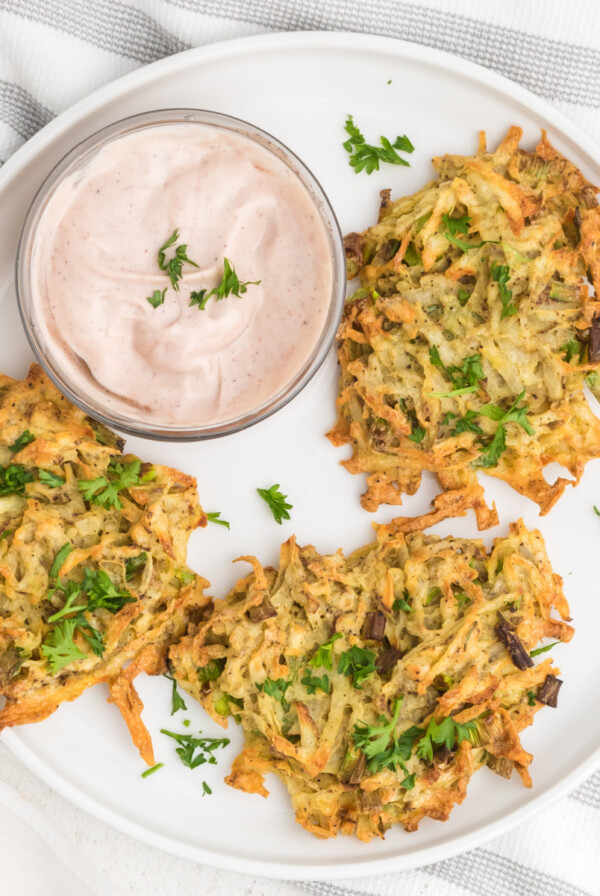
{"x":515,"y":647}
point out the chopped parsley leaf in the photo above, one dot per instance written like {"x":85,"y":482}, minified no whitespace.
{"x":365,"y":157}
{"x":501,"y":274}
{"x":26,"y":438}
{"x":465,"y":378}
{"x":59,"y":559}
{"x":571,"y":348}
{"x":50,"y":479}
{"x":313,"y":682}
{"x":276,"y":689}
{"x":195,"y":751}
{"x":493,"y":450}
{"x":104,"y":490}
{"x":447,"y":732}
{"x":229,"y":286}
{"x":13,"y":479}
{"x":456,"y":225}
{"x":323,"y":656}
{"x":174,"y":266}
{"x":276,"y":501}
{"x":177,"y":701}
{"x":358,"y":662}
{"x":59,"y":647}
{"x":157,"y":297}
{"x":132,"y":564}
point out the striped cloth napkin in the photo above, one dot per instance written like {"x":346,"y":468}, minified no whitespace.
{"x":53,"y":52}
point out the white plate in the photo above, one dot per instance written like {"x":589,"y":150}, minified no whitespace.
{"x":300,"y":87}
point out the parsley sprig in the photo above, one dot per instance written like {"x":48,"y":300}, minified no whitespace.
{"x":104,"y":490}
{"x":195,"y":751}
{"x":500,"y":274}
{"x":229,"y":286}
{"x":276,"y":501}
{"x":383,"y":748}
{"x":365,"y":157}
{"x":96,"y":591}
{"x":157,"y":298}
{"x":26,"y":438}
{"x":50,"y":479}
{"x":465,"y":378}
{"x":358,"y":662}
{"x":323,"y":657}
{"x":276,"y":688}
{"x":515,"y":414}
{"x":312,"y":683}
{"x":460,"y":225}
{"x":447,"y":732}
{"x":177,"y":701}
{"x":13,"y":479}
{"x":174,"y":266}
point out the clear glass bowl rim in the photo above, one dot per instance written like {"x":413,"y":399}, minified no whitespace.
{"x":93,"y":143}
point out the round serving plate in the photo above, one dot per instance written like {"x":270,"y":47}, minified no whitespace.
{"x":301,"y":87}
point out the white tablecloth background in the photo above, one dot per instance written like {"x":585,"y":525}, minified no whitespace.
{"x":52,"y":53}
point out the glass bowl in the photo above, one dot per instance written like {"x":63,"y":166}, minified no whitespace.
{"x":84,"y":391}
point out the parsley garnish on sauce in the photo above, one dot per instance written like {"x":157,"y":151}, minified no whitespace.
{"x":157,"y":297}
{"x":276,"y":501}
{"x":365,"y":157}
{"x":465,"y":378}
{"x":195,"y":751}
{"x":229,"y":286}
{"x":174,"y":266}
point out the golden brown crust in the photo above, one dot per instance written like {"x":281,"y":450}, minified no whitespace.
{"x":514,"y":303}
{"x":37,"y":519}
{"x":438,"y":660}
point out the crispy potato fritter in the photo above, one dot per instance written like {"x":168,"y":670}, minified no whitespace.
{"x":93,"y":571}
{"x":467,"y":346}
{"x":374,"y":685}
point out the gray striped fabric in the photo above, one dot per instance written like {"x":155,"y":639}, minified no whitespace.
{"x":52,"y":52}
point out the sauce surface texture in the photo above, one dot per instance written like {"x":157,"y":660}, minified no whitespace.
{"x":94,"y":263}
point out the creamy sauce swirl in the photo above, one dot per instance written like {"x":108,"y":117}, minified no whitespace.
{"x":94,"y":262}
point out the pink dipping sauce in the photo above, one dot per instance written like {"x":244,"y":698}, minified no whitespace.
{"x":94,"y":262}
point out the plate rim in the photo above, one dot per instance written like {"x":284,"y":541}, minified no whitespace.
{"x":101,"y":98}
